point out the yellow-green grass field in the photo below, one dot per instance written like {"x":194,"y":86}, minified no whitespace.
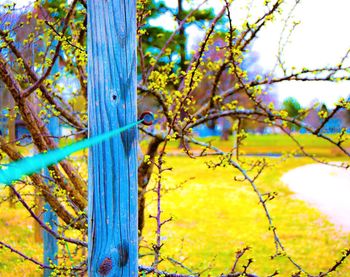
{"x":213,"y":217}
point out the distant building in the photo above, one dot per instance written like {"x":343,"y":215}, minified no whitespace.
{"x":4,"y":104}
{"x":339,"y":121}
{"x":20,"y":128}
{"x":334,"y":125}
{"x":204,"y":131}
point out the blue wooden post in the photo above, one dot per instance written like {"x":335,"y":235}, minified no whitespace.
{"x":113,"y":164}
{"x":50,"y":217}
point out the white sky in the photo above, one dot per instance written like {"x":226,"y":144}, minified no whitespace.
{"x":19,"y":3}
{"x":319,"y":40}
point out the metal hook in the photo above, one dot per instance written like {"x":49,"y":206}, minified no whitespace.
{"x":147,"y":118}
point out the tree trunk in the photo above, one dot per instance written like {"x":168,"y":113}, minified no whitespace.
{"x":144,"y":176}
{"x":39,"y":204}
{"x":182,"y":40}
{"x":12,"y":138}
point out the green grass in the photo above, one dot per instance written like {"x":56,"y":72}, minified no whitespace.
{"x":214,"y":216}
{"x":272,"y":144}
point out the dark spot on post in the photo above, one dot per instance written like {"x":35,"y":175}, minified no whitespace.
{"x":105,"y":267}
{"x":123,"y":250}
{"x":114,"y":97}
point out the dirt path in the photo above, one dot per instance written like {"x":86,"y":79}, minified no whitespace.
{"x":324,"y":187}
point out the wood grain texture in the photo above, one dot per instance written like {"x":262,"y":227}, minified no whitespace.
{"x":113,"y":164}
